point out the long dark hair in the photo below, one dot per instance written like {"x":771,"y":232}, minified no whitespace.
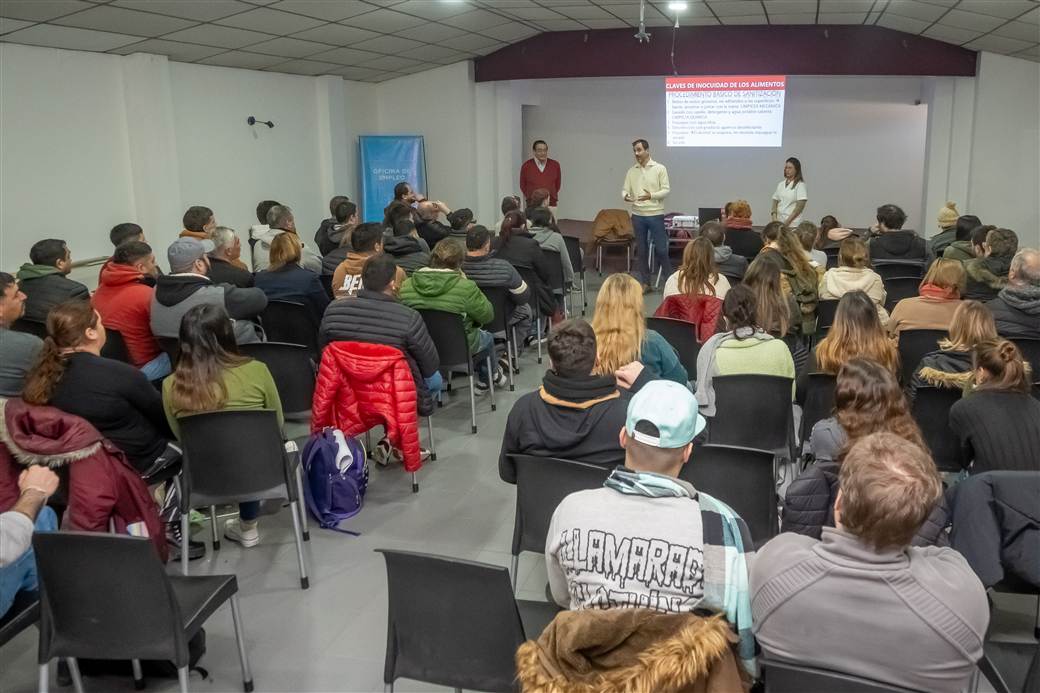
{"x":208,"y":348}
{"x":739,"y":308}
{"x":514,"y":222}
{"x":797,"y":170}
{"x":67,"y":324}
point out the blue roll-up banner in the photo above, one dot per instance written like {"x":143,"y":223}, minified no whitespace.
{"x":386,"y":160}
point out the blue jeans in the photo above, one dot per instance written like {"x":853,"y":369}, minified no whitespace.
{"x":435,"y":383}
{"x":157,"y":368}
{"x":249,"y":511}
{"x":485,"y":348}
{"x":21,"y":575}
{"x":647,"y":229}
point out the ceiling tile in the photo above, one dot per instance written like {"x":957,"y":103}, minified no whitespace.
{"x":123,"y":21}
{"x":842,"y":17}
{"x":432,"y":32}
{"x":1033,"y":17}
{"x":1008,"y":9}
{"x":561,"y":25}
{"x":385,"y":76}
{"x":355,"y":73}
{"x":698,"y":21}
{"x":616,"y":23}
{"x":803,"y":18}
{"x":249,"y":61}
{"x":950,"y":34}
{"x":288,"y":47}
{"x":490,"y":49}
{"x":345,"y":56}
{"x":336,"y":34}
{"x":583,"y":12}
{"x":40,"y":10}
{"x":439,"y":54}
{"x":387,"y":44}
{"x":873,"y":17}
{"x":841,"y":6}
{"x":1030,"y":53}
{"x":630,"y":14}
{"x":915,"y":10}
{"x":1020,"y":31}
{"x":8,"y":25}
{"x":184,"y":52}
{"x":790,"y":7}
{"x":222,"y":36}
{"x":505,"y":4}
{"x":945,"y":3}
{"x":304,"y":67}
{"x":385,"y":21}
{"x":899,"y":23}
{"x":997,"y":44}
{"x":70,"y":38}
{"x":329,"y":10}
{"x":736,"y":8}
{"x":392,"y":62}
{"x":270,"y":21}
{"x":432,"y":9}
{"x":554,"y":3}
{"x":477,"y":20}
{"x":535,"y":13}
{"x":473,"y":42}
{"x":199,"y":10}
{"x":971,"y":20}
{"x":744,"y":19}
{"x":513,"y":32}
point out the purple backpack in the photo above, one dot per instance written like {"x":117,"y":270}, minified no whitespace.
{"x":336,"y":477}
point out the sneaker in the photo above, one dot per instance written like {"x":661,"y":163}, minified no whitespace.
{"x":503,"y":363}
{"x":424,"y":454}
{"x":480,"y":387}
{"x":501,"y":379}
{"x":234,"y":531}
{"x":384,"y":453}
{"x":196,"y":549}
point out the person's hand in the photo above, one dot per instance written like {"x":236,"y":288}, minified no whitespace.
{"x":37,"y":478}
{"x":645,"y":196}
{"x":628,"y":198}
{"x":628,"y":374}
{"x":443,"y":207}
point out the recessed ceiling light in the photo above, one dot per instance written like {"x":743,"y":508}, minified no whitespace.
{"x":677,"y":6}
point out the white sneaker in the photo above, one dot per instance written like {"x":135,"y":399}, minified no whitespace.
{"x":384,"y":453}
{"x":246,"y":537}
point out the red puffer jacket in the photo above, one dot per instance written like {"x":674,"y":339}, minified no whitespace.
{"x":703,"y":311}
{"x":362,"y":385}
{"x":102,"y":485}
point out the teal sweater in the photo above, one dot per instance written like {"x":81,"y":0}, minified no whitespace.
{"x":660,"y":356}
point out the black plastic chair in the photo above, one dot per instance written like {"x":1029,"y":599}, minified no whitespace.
{"x":30,"y":327}
{"x":115,"y":346}
{"x":292,"y":323}
{"x":888,"y":269}
{"x":293,"y":372}
{"x":455,"y":623}
{"x":554,"y":263}
{"x":753,"y":411}
{"x":913,"y":346}
{"x":742,"y":478}
{"x":541,"y":484}
{"x":832,"y":256}
{"x":625,"y":243}
{"x":682,"y":335}
{"x":24,"y":612}
{"x":784,"y":677}
{"x":499,"y":327}
{"x":233,"y":456}
{"x":449,"y":336}
{"x":931,"y":411}
{"x":326,"y":283}
{"x":898,"y":288}
{"x":578,"y":265}
{"x":536,"y":285}
{"x":1030,"y":349}
{"x":825,"y":312}
{"x":106,"y":596}
{"x":819,"y":402}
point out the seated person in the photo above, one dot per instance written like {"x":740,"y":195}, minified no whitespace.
{"x":443,"y":286}
{"x":518,"y":247}
{"x":404,"y":245}
{"x":809,"y":236}
{"x":18,"y":350}
{"x":212,"y":376}
{"x":950,"y":365}
{"x":342,"y":231}
{"x":946,"y":220}
{"x":198,"y":222}
{"x":285,"y":280}
{"x":44,"y":280}
{"x":728,"y":263}
{"x":225,"y":264}
{"x":1016,"y":309}
{"x":491,"y":272}
{"x":853,"y":273}
{"x":540,"y":228}
{"x":260,"y":229}
{"x":744,"y":348}
{"x":280,"y":219}
{"x":988,"y":273}
{"x":429,"y":225}
{"x":891,"y":241}
{"x":696,"y":550}
{"x":574,"y":415}
{"x":698,"y":273}
{"x":460,"y":220}
{"x":188,"y":284}
{"x":970,"y":246}
{"x":799,"y":277}
{"x":366,"y":241}
{"x":334,"y":230}
{"x":821,"y":603}
{"x":29,"y":514}
{"x":939,"y":294}
{"x":740,"y":235}
{"x":127,"y":231}
{"x":777,"y":312}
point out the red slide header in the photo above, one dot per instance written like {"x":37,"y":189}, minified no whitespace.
{"x":726,"y":83}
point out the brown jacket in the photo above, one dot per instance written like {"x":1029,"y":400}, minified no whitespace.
{"x":631,"y":651}
{"x":612,"y":225}
{"x":349,"y":273}
{"x":922,"y":313}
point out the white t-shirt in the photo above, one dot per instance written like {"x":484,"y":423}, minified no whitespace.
{"x":788,"y":196}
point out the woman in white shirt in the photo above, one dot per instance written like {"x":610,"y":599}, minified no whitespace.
{"x":791,"y":195}
{"x":699,"y":273}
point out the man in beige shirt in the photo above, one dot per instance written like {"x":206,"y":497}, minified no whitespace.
{"x":646,"y":186}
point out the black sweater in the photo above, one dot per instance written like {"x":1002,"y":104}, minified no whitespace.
{"x":999,"y":430}
{"x":118,"y":401}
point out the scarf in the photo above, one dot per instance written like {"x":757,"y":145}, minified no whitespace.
{"x":706,"y":366}
{"x":645,"y":484}
{"x":937,"y":292}
{"x":738,"y":223}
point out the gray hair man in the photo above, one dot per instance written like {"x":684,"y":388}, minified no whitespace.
{"x":225,"y":265}
{"x":280,"y":220}
{"x":1016,"y":309}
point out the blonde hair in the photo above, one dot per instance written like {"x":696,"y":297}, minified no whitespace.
{"x":856,"y":332}
{"x":853,"y":252}
{"x":946,"y":274}
{"x":972,"y":323}
{"x":698,"y":273}
{"x":285,"y":249}
{"x":618,"y":323}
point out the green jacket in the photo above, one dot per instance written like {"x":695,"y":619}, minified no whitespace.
{"x":960,"y":251}
{"x":450,"y":291}
{"x":31,"y":271}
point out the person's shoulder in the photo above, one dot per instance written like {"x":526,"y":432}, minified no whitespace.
{"x":948,"y":569}
{"x":252,"y":368}
{"x":20,"y":339}
{"x":578,"y":503}
{"x":786,"y":548}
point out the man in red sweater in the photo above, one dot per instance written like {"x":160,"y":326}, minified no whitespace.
{"x":541,"y":172}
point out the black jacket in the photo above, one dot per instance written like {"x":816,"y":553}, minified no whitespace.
{"x":293,"y":283}
{"x":223,"y":272}
{"x":809,"y":503}
{"x":898,"y":245}
{"x":523,"y":252}
{"x":999,"y":430}
{"x":332,"y":259}
{"x":744,"y":242}
{"x":43,"y":293}
{"x":986,"y":277}
{"x":491,"y":272}
{"x":730,"y":263}
{"x":432,"y":231}
{"x":329,"y":235}
{"x":1016,"y":311}
{"x":940,"y":241}
{"x":409,"y":252}
{"x":951,"y":369}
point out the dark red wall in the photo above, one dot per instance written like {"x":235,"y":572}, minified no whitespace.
{"x":727,"y":50}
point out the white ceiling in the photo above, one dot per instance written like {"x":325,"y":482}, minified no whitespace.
{"x":376,"y":40}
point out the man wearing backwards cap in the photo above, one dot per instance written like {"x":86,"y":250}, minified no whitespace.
{"x":189,"y":285}
{"x":647,"y":538}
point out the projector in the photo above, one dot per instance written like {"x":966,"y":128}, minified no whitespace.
{"x":685,"y":221}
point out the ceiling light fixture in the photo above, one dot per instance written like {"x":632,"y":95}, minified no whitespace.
{"x":677,"y":6}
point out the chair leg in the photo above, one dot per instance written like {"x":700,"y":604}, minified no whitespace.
{"x":415,"y":482}
{"x":472,"y":405}
{"x":491,"y":379}
{"x":628,"y":257}
{"x":458,"y":690}
{"x":297,"y":535}
{"x":538,"y":338}
{"x":510,"y":354}
{"x":433,"y":445}
{"x":240,"y":638}
{"x":182,"y":679}
{"x":300,"y":498}
{"x":185,"y":537}
{"x":388,"y":688}
{"x":516,"y":353}
{"x":139,"y":683}
{"x":77,"y":680}
{"x":44,"y":682}
{"x":584,"y":296}
{"x":514,"y":565}
{"x":213,"y":527}
{"x":368,"y":443}
{"x":599,"y":260}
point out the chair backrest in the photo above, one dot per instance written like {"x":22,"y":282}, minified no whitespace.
{"x":106,"y":596}
{"x":825,"y":311}
{"x":30,"y":327}
{"x":554,"y":264}
{"x":913,"y":346}
{"x":832,"y":256}
{"x":682,"y":336}
{"x":1030,"y":349}
{"x":541,"y":299}
{"x":449,"y":336}
{"x":231,"y":456}
{"x":292,"y":369}
{"x":23,"y":612}
{"x":743,"y":399}
{"x":819,"y":401}
{"x":931,"y":411}
{"x":783,"y":677}
{"x":899,"y":268}
{"x":290,"y":322}
{"x":450,"y":622}
{"x":573,"y":244}
{"x":742,"y":478}
{"x":326,"y":283}
{"x":502,"y":304}
{"x":115,"y":346}
{"x":541,"y":483}
{"x":898,"y":288}
{"x":171,"y":346}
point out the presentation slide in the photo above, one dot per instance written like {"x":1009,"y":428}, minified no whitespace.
{"x":725,"y":111}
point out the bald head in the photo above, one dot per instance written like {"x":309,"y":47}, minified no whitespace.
{"x":427,"y":210}
{"x":1025,"y":268}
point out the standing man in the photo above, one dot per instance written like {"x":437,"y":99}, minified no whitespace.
{"x":541,"y":172}
{"x":646,"y":186}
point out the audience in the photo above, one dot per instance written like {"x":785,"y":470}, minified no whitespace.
{"x":964,"y":248}
{"x":744,"y":348}
{"x":776,"y":312}
{"x":225,"y":267}
{"x":428,"y":225}
{"x":892,"y":242}
{"x":367,"y":241}
{"x":124,"y":301}
{"x":127,"y":231}
{"x":947,"y":220}
{"x":1016,"y":309}
{"x":999,"y":422}
{"x":853,"y":273}
{"x":988,"y":273}
{"x":18,"y":350}
{"x":622,"y":336}
{"x":261,"y":229}
{"x":856,"y":332}
{"x":541,"y":230}
{"x":402,"y":242}
{"x":728,"y":262}
{"x":460,"y":221}
{"x":797,"y":276}
{"x":188,"y":285}
{"x":694,"y":551}
{"x":212,"y":376}
{"x":510,"y":203}
{"x":698,"y":273}
{"x":30,"y":513}
{"x":808,"y":235}
{"x":831,"y":232}
{"x":285,"y":280}
{"x":198,"y":223}
{"x":950,"y":366}
{"x":280,"y":220}
{"x":519,"y":248}
{"x":938,"y":297}
{"x":331,"y":232}
{"x":44,"y":279}
{"x":489,"y":272}
{"x":822,"y":602}
{"x":743,"y":239}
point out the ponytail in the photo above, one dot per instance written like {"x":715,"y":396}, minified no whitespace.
{"x":513,"y":220}
{"x":45,"y":375}
{"x":1002,"y":360}
{"x":67,"y":324}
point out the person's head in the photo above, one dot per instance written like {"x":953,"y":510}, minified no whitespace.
{"x":199,"y":219}
{"x":1025,"y":269}
{"x":641,"y":151}
{"x":286,"y":250}
{"x":514,"y":222}
{"x":946,"y":274}
{"x":999,"y":365}
{"x":947,"y":217}
{"x":127,"y":231}
{"x":978,"y":239}
{"x":404,"y":227}
{"x":737,"y":209}
{"x":539,"y":216}
{"x":715,"y":232}
{"x":784,"y":240}
{"x":12,"y":300}
{"x":478,"y":240}
{"x":280,"y":217}
{"x":1001,"y":243}
{"x":771,"y":233}
{"x":404,"y":193}
{"x":856,"y":332}
{"x":263,"y":208}
{"x":739,"y":309}
{"x":368,"y":238}
{"x":660,"y":425}
{"x":793,"y":170}
{"x":572,"y":349}
{"x":698,"y":272}
{"x":890,"y":217}
{"x":510,"y":203}
{"x":51,"y":252}
{"x":540,"y":149}
{"x":972,"y":323}
{"x":226,"y":245}
{"x":427,"y":210}
{"x":868,"y":399}
{"x":966,"y":223}
{"x":539,"y":198}
{"x":208,"y":349}
{"x":619,"y":323}
{"x":853,"y":252}
{"x":886,"y":490}
{"x":137,"y":255}
{"x":447,"y":254}
{"x":808,"y":235}
{"x":335,"y":202}
{"x":460,"y":219}
{"x":345,"y":213}
{"x":189,"y":256}
{"x":772,"y":310}
{"x":71,"y":326}
{"x":827,"y":223}
{"x":379,"y":273}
